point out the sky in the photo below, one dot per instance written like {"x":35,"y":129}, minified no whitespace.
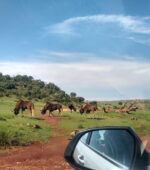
{"x":96,"y":48}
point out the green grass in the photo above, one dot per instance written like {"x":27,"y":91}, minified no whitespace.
{"x":15,"y":130}
{"x":76,"y":121}
{"x":4,"y":152}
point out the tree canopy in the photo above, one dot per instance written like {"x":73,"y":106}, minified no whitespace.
{"x":28,"y":87}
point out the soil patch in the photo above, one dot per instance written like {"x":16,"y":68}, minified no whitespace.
{"x":38,"y":156}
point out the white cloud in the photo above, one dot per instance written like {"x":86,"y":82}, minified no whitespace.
{"x":96,"y":74}
{"x":66,"y":55}
{"x":128,"y":23}
{"x":145,"y":41}
{"x":143,"y":71}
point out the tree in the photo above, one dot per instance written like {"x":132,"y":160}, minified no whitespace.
{"x":80,"y":99}
{"x":7,"y":77}
{"x":93,"y":102}
{"x":10,"y":86}
{"x":73,"y":94}
{"x":25,"y":86}
{"x":120,"y":102}
{"x":1,"y":76}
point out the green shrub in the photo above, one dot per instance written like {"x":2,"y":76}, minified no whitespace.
{"x":80,"y":126}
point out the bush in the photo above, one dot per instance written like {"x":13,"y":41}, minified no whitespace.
{"x":29,"y":98}
{"x":115,"y":107}
{"x":9,"y":139}
{"x":1,"y":94}
{"x":4,"y":138}
{"x":7,"y":94}
{"x":93,"y":102}
{"x":120,"y":103}
{"x":80,"y":126}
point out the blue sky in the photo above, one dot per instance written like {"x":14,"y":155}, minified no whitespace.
{"x":97,"y":48}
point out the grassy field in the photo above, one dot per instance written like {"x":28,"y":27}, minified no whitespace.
{"x":141,"y":125}
{"x":15,"y":130}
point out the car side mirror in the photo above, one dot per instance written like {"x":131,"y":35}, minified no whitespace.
{"x":111,"y":148}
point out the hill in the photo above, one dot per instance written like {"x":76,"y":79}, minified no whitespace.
{"x":29,"y":88}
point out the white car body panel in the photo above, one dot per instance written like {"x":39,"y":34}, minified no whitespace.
{"x":94,"y":161}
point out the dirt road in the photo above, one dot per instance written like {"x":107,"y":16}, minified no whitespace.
{"x":38,"y":156}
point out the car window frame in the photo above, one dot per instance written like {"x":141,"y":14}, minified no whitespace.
{"x":88,"y":139}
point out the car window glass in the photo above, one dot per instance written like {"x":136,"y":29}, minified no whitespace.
{"x":114,"y":144}
{"x":84,"y":138}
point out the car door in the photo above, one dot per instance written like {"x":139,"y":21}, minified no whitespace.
{"x":96,"y":151}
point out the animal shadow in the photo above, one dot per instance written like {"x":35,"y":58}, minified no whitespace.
{"x":95,"y":118}
{"x":37,"y":118}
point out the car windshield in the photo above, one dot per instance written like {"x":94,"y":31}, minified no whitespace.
{"x":66,"y":66}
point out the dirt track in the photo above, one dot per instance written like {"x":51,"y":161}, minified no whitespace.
{"x":38,"y":156}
